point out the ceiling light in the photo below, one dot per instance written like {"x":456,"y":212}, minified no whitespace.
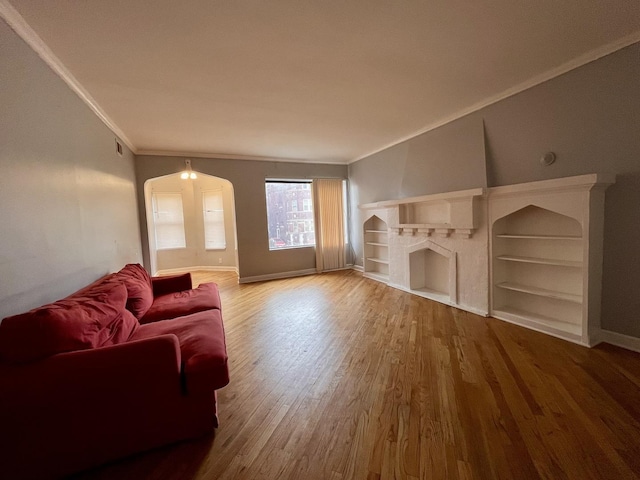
{"x":188,"y":173}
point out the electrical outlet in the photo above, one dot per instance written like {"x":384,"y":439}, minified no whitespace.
{"x":219,"y":260}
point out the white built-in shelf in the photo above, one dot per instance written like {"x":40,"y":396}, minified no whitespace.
{"x":376,"y":247}
{"x":540,"y":261}
{"x":380,"y":277}
{"x":378,"y":260}
{"x":542,"y":237}
{"x":546,"y":249}
{"x":535,"y":319}
{"x":542,"y":292}
{"x":432,"y":294}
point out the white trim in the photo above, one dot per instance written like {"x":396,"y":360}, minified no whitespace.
{"x":19,"y":25}
{"x":572,"y":64}
{"x":442,"y":300}
{"x":358,"y":268}
{"x":561,"y":184}
{"x":277,"y":276}
{"x":541,"y":329}
{"x":207,"y":268}
{"x":435,"y":197}
{"x":620,"y":340}
{"x":233,"y":156}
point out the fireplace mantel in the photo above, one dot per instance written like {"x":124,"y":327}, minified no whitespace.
{"x":441,"y":214}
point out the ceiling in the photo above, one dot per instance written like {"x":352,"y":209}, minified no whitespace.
{"x":320,"y":81}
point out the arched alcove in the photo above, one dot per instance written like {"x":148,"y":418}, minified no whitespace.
{"x":538,"y":268}
{"x":197,"y":196}
{"x":376,"y":248}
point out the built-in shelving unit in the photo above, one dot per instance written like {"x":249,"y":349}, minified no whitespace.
{"x":376,"y":249}
{"x":546,"y":249}
{"x":529,"y":254}
{"x":427,"y":237}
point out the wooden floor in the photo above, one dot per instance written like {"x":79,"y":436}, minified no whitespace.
{"x":335,"y":376}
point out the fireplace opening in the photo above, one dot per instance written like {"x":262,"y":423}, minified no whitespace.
{"x":429,"y":272}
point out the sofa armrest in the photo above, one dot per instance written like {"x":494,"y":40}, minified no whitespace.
{"x":78,"y":409}
{"x":172,"y":284}
{"x":138,"y":369}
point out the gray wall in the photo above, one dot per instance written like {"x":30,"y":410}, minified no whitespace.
{"x":68,"y":210}
{"x":247,"y":178}
{"x":590,"y":117}
{"x":446,"y":159}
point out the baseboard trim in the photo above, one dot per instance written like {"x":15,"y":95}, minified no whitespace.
{"x":459,"y":306}
{"x":277,"y":276}
{"x":620,"y":340}
{"x":206,"y":268}
{"x":358,"y":268}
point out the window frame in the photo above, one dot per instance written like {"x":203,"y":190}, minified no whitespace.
{"x":220,"y":193}
{"x":158,"y":222}
{"x":292,"y":218}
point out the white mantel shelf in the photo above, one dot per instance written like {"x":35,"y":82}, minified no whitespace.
{"x":436,"y":197}
{"x":442,"y":214}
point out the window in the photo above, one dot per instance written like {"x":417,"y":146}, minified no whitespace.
{"x":168,"y":221}
{"x":288,"y":226}
{"x":213,"y":211}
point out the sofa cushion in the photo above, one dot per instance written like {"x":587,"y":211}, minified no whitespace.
{"x":171,"y":284}
{"x":87,"y":319}
{"x":178,"y":304}
{"x":202,"y":347}
{"x":139,"y":289}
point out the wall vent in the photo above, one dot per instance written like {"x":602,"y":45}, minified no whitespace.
{"x":118,"y":147}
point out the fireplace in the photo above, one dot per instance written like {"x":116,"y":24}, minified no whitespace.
{"x":431,"y":271}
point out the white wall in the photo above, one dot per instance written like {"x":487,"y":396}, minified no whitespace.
{"x":195,"y":254}
{"x":68,"y":211}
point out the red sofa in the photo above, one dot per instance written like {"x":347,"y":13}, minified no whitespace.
{"x":126,"y":364}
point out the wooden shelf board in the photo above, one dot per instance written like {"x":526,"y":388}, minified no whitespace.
{"x":375,"y":231}
{"x":541,"y":237}
{"x":376,"y":244}
{"x":378,"y":260}
{"x":540,"y":261}
{"x":516,"y":314}
{"x":542,"y":292}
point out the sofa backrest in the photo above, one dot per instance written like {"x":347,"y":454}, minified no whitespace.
{"x":139,"y":288}
{"x":92,"y":317}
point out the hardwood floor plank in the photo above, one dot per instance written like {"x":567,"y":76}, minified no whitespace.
{"x":339,"y":377}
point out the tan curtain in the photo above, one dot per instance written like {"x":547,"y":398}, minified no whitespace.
{"x":329,"y":213}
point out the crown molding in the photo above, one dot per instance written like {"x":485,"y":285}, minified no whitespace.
{"x":229,"y":156}
{"x":19,"y":25}
{"x":577,"y":62}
